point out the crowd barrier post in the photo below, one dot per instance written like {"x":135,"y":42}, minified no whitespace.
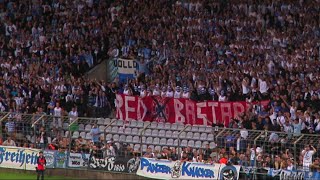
{"x":255,"y":159}
{"x":179,"y":144}
{"x":2,"y":119}
{"x":34,"y":129}
{"x":104,"y":131}
{"x":141,"y":135}
{"x":295,"y":148}
{"x":70,"y":135}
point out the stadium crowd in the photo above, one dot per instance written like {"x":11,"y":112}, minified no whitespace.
{"x":231,"y":50}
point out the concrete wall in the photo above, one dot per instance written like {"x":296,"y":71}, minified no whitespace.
{"x":76,"y":173}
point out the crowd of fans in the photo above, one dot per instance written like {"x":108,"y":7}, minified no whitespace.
{"x":231,"y":50}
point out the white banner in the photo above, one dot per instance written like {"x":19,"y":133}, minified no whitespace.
{"x":125,"y":66}
{"x":18,"y":158}
{"x":164,"y":169}
{"x":78,"y":160}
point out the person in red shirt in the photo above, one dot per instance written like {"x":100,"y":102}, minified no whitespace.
{"x":41,"y":165}
{"x":224,"y":159}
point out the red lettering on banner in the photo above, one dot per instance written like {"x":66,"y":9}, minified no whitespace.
{"x":128,"y":108}
{"x":213,"y":106}
{"x":200,"y":115}
{"x":190,"y":112}
{"x":177,"y":110}
{"x":226,"y":113}
{"x":178,"y":107}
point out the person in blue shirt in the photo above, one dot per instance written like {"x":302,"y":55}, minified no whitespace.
{"x":95,"y":134}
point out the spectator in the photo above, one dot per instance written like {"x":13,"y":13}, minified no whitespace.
{"x":307,"y":154}
{"x":9,"y":142}
{"x":95,"y":133}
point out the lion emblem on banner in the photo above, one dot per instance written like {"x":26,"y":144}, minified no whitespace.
{"x":176,"y":170}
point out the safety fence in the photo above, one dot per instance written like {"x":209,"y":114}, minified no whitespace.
{"x":132,"y":138}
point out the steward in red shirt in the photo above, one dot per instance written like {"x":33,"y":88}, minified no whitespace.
{"x":41,"y":165}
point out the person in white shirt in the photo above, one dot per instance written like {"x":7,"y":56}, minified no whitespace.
{"x":149,"y":92}
{"x":169,"y":92}
{"x":186,"y":93}
{"x":222,"y":96}
{"x":307,"y":154}
{"x":9,"y":142}
{"x":127,"y":90}
{"x":73,"y":114}
{"x":143,"y":92}
{"x":57,"y":112}
{"x":156,"y":91}
{"x":177,"y":93}
{"x":164,"y":92}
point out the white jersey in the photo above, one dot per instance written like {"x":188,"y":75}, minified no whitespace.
{"x":163,"y":94}
{"x":222,"y":98}
{"x":169,"y":93}
{"x":177,"y":94}
{"x":156,"y":93}
{"x":126,"y":92}
{"x":57,"y":111}
{"x":143,"y":93}
{"x":185,"y":95}
{"x":307,"y":158}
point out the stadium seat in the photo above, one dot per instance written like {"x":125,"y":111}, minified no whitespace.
{"x":136,"y":147}
{"x":203,"y":136}
{"x":101,"y":137}
{"x":167,"y":126}
{"x":107,"y":121}
{"x":163,"y":141}
{"x":120,"y":122}
{"x":122,"y":138}
{"x":157,"y":148}
{"x":115,"y":129}
{"x":189,"y":135}
{"x":169,"y":134}
{"x":81,"y":127}
{"x":175,"y":143}
{"x":136,"y":139}
{"x":204,"y":143}
{"x":191,"y":143}
{"x":147,"y":132}
{"x":180,"y":127}
{"x":65,"y":126}
{"x":153,"y":125}
{"x":83,"y":134}
{"x":197,"y":144}
{"x":109,"y":129}
{"x":139,"y":124}
{"x":208,"y":129}
{"x":155,"y":133}
{"x":88,"y":136}
{"x":170,"y":142}
{"x":174,"y":127}
{"x":101,"y":128}
{"x":212,"y":145}
{"x":175,"y":134}
{"x":160,"y":125}
{"x":195,"y":128}
{"x":201,"y":129}
{"x":100,"y":121}
{"x":75,"y":135}
{"x":116,"y":137}
{"x":108,"y":137}
{"x":144,"y":139}
{"x":88,"y":128}
{"x":129,"y":139}
{"x":151,"y":147}
{"x":188,"y":128}
{"x":162,"y":133}
{"x":196,"y":136}
{"x":133,"y":123}
{"x":149,"y":140}
{"x":210,"y":137}
{"x":49,"y":140}
{"x":144,"y":148}
{"x":127,"y":131}
{"x":135,"y":132}
{"x":183,"y":135}
{"x":156,"y":141}
{"x":184,"y":143}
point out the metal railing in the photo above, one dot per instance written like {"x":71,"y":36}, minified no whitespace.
{"x":28,"y":125}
